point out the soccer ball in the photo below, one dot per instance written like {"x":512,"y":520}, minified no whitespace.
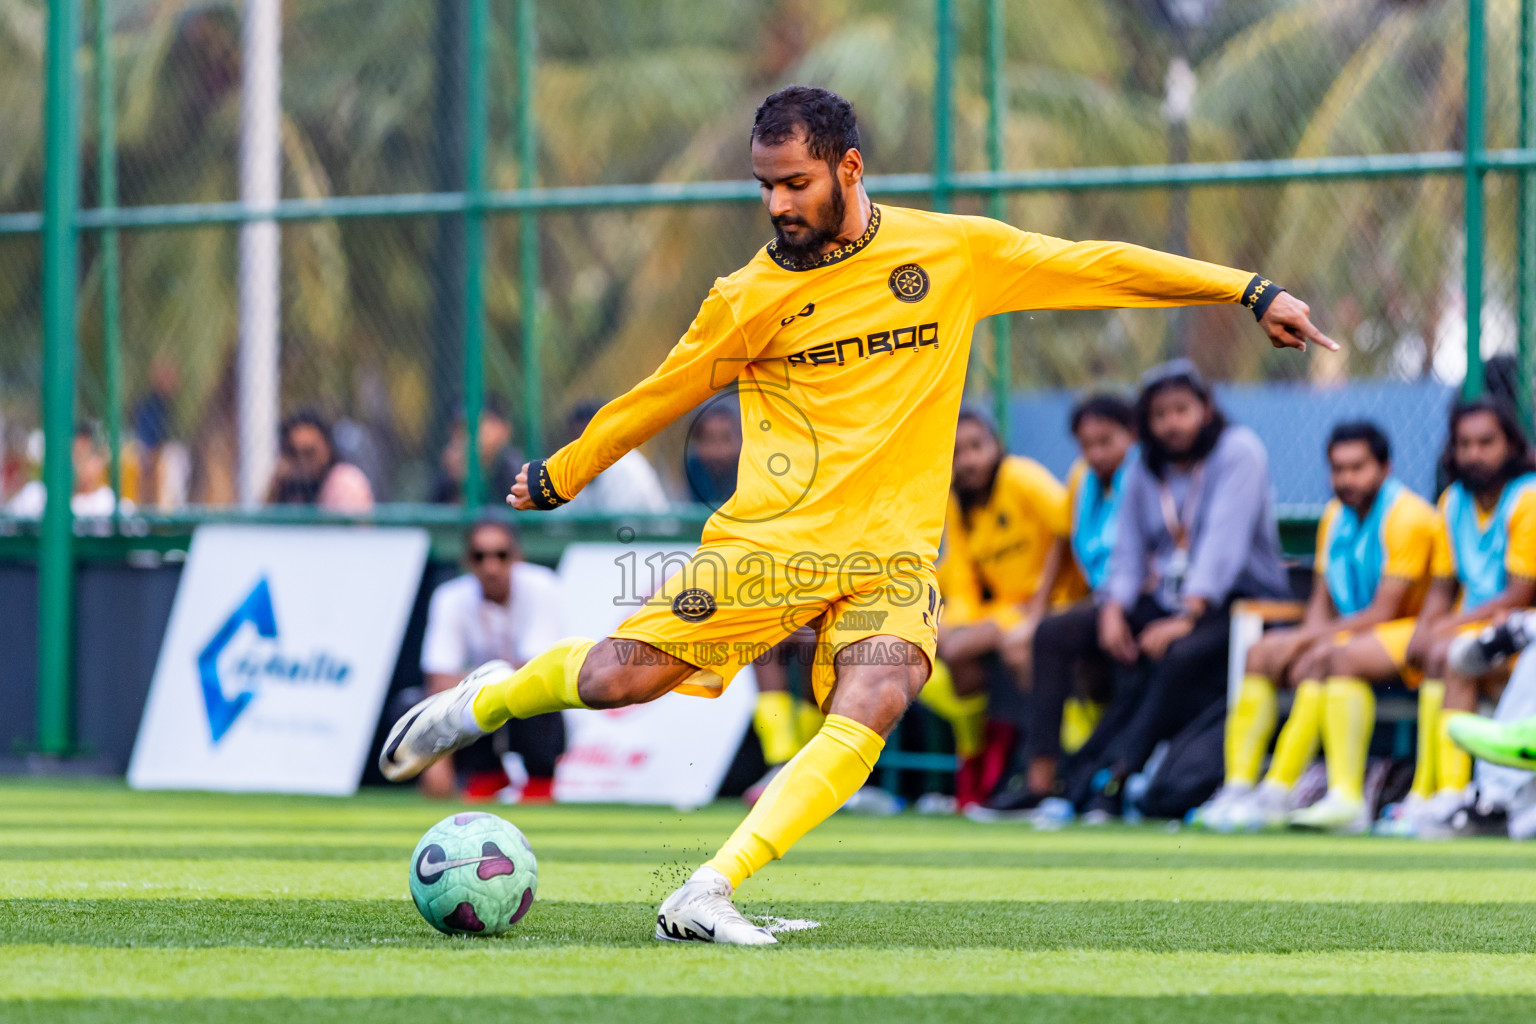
{"x":473,"y":874}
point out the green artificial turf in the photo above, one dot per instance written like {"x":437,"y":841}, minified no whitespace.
{"x":122,"y":906}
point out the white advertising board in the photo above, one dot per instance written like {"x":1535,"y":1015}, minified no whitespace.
{"x":277,"y":658}
{"x":672,"y":751}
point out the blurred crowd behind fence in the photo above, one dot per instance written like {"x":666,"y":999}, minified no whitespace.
{"x":410,"y":216}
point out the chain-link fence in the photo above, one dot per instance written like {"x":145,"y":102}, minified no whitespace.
{"x":1325,"y":142}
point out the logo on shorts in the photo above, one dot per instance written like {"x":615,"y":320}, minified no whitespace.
{"x":693,"y":605}
{"x":861,"y":620}
{"x":909,"y":282}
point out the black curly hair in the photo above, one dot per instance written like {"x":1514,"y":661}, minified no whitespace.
{"x":1519,"y":460}
{"x":825,"y":119}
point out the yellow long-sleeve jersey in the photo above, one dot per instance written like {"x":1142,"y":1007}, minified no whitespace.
{"x":994,"y":555}
{"x":850,"y":371}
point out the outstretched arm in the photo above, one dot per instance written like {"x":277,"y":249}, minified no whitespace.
{"x":708,"y":357}
{"x":1017,"y":270}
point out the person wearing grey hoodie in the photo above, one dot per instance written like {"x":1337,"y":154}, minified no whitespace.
{"x":1196,"y":529}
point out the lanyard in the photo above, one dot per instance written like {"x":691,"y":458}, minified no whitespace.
{"x":1173,"y":519}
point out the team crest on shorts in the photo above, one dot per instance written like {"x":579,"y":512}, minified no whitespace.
{"x":909,"y":282}
{"x":693,"y":605}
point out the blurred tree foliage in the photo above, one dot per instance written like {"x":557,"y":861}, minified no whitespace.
{"x":663,"y":90}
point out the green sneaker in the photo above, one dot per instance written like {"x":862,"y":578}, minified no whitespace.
{"x":1506,"y":743}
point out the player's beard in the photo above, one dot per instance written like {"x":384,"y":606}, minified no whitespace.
{"x":1483,"y":481}
{"x":824,"y":228}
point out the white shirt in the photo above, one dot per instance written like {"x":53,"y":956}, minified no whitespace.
{"x":31,"y":499}
{"x":465,"y":630}
{"x":629,"y":485}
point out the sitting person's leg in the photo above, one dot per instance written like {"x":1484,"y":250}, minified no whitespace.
{"x":1454,"y":767}
{"x":1349,"y":719}
{"x":1251,"y":720}
{"x":1267,"y":804}
{"x":956,"y":693}
{"x":1061,"y":642}
{"x":1129,"y":692}
{"x":1191,"y":676}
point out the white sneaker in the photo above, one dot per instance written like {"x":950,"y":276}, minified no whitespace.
{"x":1439,"y":818}
{"x":702,"y":911}
{"x":437,"y":726}
{"x":1213,"y":813}
{"x":1266,"y":807}
{"x":1334,"y":813}
{"x":1421,"y":818}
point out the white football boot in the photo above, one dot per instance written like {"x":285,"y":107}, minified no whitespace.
{"x":1334,"y":813}
{"x":702,"y":911}
{"x":437,"y":726}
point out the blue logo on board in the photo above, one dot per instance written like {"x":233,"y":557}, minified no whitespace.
{"x":244,"y":666}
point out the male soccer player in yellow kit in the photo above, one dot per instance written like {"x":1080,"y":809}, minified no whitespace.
{"x":1484,"y":566}
{"x":848,"y":336}
{"x":1374,"y":544}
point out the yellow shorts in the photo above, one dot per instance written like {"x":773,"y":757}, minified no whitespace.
{"x":1394,"y":637}
{"x":727,"y":605}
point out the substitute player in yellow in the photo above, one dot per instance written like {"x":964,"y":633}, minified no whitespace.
{"x":1484,"y":567}
{"x":847,"y":336}
{"x":1374,"y":544}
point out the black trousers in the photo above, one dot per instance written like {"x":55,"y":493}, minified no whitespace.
{"x":1154,"y":699}
{"x":1063,"y":644}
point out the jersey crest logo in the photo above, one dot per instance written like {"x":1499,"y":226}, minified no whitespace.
{"x":810,"y":307}
{"x":693,"y":605}
{"x":909,"y":282}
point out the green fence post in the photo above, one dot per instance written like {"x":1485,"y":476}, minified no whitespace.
{"x":943,"y":86}
{"x":55,"y":568}
{"x":1525,"y":283}
{"x":1472,"y":172}
{"x":528,"y":222}
{"x":997,"y":110}
{"x":111,"y":287}
{"x":474,"y":249}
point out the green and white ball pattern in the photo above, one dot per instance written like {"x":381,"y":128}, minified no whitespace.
{"x":473,"y":874}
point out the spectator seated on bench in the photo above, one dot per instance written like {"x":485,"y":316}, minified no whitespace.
{"x":1374,"y":543}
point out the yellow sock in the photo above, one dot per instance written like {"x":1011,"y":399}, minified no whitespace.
{"x":1348,"y":719}
{"x":815,"y":782}
{"x":1250,"y":724}
{"x":1297,"y":744}
{"x":1426,"y":769}
{"x":774,"y":723}
{"x":1078,"y":720}
{"x":808,"y":719}
{"x":965,"y":715}
{"x":545,"y":684}
{"x":1455,"y":763}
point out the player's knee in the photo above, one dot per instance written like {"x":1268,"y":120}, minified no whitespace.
{"x":1318,"y":663}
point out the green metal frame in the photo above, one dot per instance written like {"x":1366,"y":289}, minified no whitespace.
{"x":60,"y":222}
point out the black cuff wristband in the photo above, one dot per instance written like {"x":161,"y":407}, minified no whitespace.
{"x":1258,"y":294}
{"x":541,"y":491}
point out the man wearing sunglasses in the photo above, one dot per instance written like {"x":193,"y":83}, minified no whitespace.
{"x":503,"y":608}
